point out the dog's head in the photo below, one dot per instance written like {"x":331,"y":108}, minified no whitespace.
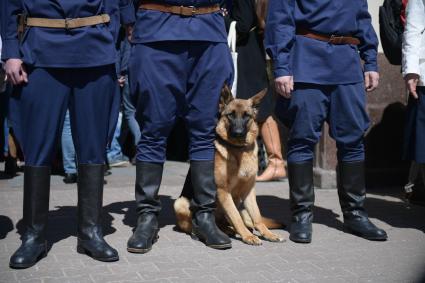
{"x":237,"y":124}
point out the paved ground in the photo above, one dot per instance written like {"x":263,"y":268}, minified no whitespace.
{"x":332,"y":257}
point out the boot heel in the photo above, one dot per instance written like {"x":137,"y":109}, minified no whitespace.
{"x":194,"y":237}
{"x":81,"y":250}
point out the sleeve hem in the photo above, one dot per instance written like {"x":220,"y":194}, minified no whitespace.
{"x":10,"y":49}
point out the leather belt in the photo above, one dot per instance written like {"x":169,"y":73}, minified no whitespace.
{"x":189,"y":11}
{"x":333,"y":39}
{"x":66,"y":23}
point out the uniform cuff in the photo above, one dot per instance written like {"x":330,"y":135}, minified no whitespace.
{"x":10,"y":49}
{"x":280,"y":72}
{"x":370,"y":68}
{"x":127,"y":14}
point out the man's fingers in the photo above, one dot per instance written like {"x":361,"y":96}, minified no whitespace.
{"x":292,"y":84}
{"x":287,"y":86}
{"x":367,"y":81}
{"x":24,"y":75}
{"x":412,"y":89}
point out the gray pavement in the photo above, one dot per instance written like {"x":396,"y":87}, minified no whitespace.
{"x":334,"y":256}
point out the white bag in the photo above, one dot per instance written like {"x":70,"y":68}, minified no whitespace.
{"x":231,"y":40}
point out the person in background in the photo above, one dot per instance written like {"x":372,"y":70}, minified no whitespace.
{"x":68,"y":152}
{"x":413,"y":68}
{"x":115,"y":156}
{"x":68,"y":46}
{"x":316,"y":46}
{"x":252,"y":77}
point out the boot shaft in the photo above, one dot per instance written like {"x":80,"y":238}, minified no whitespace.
{"x":90,"y":199}
{"x":301,"y":186}
{"x":204,"y":187}
{"x":351,"y":188}
{"x":148,"y":182}
{"x":36,"y":200}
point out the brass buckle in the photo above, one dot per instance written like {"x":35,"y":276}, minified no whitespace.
{"x":67,"y":23}
{"x":335,"y":39}
{"x":188,"y":11}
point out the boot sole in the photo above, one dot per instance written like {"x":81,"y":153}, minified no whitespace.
{"x":217,"y":247}
{"x":27,"y":265}
{"x":355,"y":233}
{"x":300,"y":241}
{"x":82,"y":250}
{"x":142,"y":251}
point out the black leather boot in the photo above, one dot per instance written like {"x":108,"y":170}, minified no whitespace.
{"x":300,"y":177}
{"x":352,"y":194}
{"x":36,"y":208}
{"x":90,"y":198}
{"x":148,"y":181}
{"x":204,"y":227}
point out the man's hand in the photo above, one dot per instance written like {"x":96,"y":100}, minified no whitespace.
{"x":371,"y":80}
{"x":129,"y":32}
{"x":411,"y":83}
{"x":15,"y":71}
{"x":121,"y":81}
{"x":284,"y":85}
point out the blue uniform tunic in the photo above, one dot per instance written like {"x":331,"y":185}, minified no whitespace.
{"x":329,"y":80}
{"x":67,"y":69}
{"x":81,"y":47}
{"x":178,"y":67}
{"x":314,"y":61}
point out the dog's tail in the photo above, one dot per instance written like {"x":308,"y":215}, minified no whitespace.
{"x":270,"y":223}
{"x":183,"y":214}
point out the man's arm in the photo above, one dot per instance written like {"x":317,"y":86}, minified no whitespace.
{"x":279,"y":39}
{"x":14,"y":68}
{"x":9,"y":22}
{"x":368,"y":47}
{"x":280,"y":35}
{"x":127,"y":14}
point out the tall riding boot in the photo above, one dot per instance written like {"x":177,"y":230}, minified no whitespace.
{"x":90,"y":198}
{"x":203,"y":206}
{"x":276,"y":167}
{"x":36,"y":208}
{"x":302,"y":201}
{"x":352,"y":194}
{"x":148,"y":180}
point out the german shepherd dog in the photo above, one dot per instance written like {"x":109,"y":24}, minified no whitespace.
{"x":236,"y":165}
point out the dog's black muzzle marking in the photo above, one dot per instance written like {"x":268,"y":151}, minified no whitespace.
{"x":238,"y":127}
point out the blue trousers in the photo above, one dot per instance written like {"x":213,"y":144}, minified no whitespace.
{"x":38,"y":110}
{"x":178,"y":78}
{"x":68,"y":150}
{"x":341,"y":106}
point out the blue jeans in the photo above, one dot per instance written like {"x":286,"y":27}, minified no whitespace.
{"x":130,"y":113}
{"x":114,"y":152}
{"x":68,"y":150}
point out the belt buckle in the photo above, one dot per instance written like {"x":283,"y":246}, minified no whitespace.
{"x":336,"y":39}
{"x":67,"y":23}
{"x":184,"y":11}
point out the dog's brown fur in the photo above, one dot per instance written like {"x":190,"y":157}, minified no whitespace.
{"x":236,"y":166}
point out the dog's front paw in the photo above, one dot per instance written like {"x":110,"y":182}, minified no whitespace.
{"x":252,"y":240}
{"x":273,"y":237}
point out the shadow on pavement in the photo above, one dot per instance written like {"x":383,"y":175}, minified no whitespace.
{"x":396,"y":214}
{"x":128,"y":209}
{"x":278,"y":209}
{"x":6,"y":225}
{"x":62,"y":224}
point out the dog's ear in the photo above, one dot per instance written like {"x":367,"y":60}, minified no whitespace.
{"x":226,"y":97}
{"x":256,"y":99}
